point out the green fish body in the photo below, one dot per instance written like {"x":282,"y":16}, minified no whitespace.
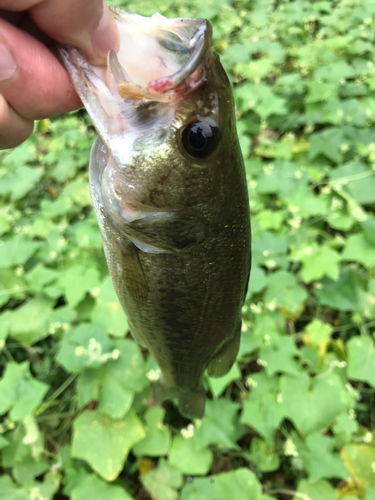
{"x":169,"y":191}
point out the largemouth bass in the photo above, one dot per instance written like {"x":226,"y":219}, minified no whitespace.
{"x":169,"y":191}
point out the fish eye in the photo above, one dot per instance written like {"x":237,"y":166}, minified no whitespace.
{"x":200,"y":139}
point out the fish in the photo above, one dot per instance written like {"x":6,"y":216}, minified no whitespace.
{"x":169,"y":190}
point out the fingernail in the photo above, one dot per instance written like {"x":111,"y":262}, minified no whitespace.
{"x":7,"y":63}
{"x":105,"y":36}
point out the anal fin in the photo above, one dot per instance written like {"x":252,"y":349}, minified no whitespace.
{"x":223,"y":361}
{"x":190,"y":401}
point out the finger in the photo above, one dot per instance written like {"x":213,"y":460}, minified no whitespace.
{"x":36,"y":86}
{"x":13,"y":128}
{"x":88,"y":24}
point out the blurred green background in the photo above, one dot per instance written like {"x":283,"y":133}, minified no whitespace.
{"x":295,"y":416}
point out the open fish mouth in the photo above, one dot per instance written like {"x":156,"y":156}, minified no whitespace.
{"x":160,"y":62}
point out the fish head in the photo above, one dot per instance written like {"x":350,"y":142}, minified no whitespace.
{"x":163,"y":108}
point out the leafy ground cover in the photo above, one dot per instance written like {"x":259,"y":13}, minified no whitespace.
{"x":295,"y":416}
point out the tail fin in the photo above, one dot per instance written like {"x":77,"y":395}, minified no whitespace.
{"x":191,"y":401}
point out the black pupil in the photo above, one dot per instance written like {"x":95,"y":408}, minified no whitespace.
{"x":200,"y":139}
{"x":197,"y":139}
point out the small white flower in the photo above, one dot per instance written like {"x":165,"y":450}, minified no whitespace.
{"x":251,"y":383}
{"x":153,"y":375}
{"x":270,"y":263}
{"x":290,"y":449}
{"x":19,"y":271}
{"x":293,"y":209}
{"x":115,"y":354}
{"x":271,"y":306}
{"x":367,"y":438}
{"x":326,"y":190}
{"x":255,"y":308}
{"x":188,"y":432}
{"x":79,"y":351}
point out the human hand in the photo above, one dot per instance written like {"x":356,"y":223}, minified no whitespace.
{"x":33,"y":83}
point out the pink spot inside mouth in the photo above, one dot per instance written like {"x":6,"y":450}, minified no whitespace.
{"x":160,"y":85}
{"x":192,"y":82}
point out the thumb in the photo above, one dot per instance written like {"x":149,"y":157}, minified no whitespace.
{"x":87,"y":24}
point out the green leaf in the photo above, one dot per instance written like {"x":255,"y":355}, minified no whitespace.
{"x":361,"y":359}
{"x":40,"y":276}
{"x":20,"y":393}
{"x":303,"y":202}
{"x":86,"y":234}
{"x":257,"y":281}
{"x":11,"y":286}
{"x":266,"y":328}
{"x":163,"y":482}
{"x":17,"y":183}
{"x":17,"y":250}
{"x":319,"y":458}
{"x":187,"y":456}
{"x":114,"y":385}
{"x":240,"y":484}
{"x":9,"y":491}
{"x":368,"y":227}
{"x":319,"y":490}
{"x":217,"y":385}
{"x":312,"y":404}
{"x":344,"y":429}
{"x":104,"y":443}
{"x":263,"y":455}
{"x":283,"y":291}
{"x":88,"y":345}
{"x":278,"y":177}
{"x":268,"y":247}
{"x":218,"y":425}
{"x":346,"y":294}
{"x":263,"y":409}
{"x":28,"y":470}
{"x":357,"y":179}
{"x":358,"y":249}
{"x":370,"y":492}
{"x":358,"y":459}
{"x":318,"y":332}
{"x":93,"y":487}
{"x":327,"y":143}
{"x":108,"y":310}
{"x":280,"y":357}
{"x":158,"y":437}
{"x":76,"y":281}
{"x":201,"y":488}
{"x":318,"y":261}
{"x":30,"y":322}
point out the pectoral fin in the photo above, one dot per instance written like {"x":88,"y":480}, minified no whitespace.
{"x":167,"y":231}
{"x":129,"y":272}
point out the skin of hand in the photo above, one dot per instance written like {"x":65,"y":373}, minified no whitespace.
{"x":33,"y":83}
